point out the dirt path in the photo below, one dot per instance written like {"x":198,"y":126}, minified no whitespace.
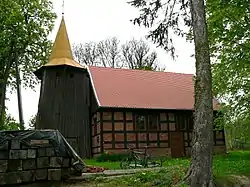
{"x":230,"y":181}
{"x":242,"y":180}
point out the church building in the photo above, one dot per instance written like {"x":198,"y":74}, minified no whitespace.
{"x":101,"y":109}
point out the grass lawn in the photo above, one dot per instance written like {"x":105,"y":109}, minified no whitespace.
{"x":107,"y":165}
{"x":233,"y":163}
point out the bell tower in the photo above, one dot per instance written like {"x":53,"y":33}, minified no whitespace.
{"x":64,"y":102}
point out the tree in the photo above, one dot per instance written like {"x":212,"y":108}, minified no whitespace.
{"x":24,"y":28}
{"x":104,"y":53}
{"x":9,"y":123}
{"x":19,"y":96}
{"x":134,"y":54}
{"x":86,"y":53}
{"x":228,"y":24}
{"x":109,"y":52}
{"x":32,"y":121}
{"x":167,"y":15}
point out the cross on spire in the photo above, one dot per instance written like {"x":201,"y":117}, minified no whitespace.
{"x":63,"y":8}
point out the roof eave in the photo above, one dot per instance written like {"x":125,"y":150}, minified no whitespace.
{"x":138,"y":108}
{"x":93,"y":86}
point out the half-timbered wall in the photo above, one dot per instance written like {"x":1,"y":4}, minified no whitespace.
{"x":165,"y":133}
{"x":96,"y":133}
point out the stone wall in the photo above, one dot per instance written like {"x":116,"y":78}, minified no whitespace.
{"x":27,"y":161}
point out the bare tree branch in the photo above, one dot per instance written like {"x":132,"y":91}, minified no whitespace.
{"x":86,"y":53}
{"x":134,"y":54}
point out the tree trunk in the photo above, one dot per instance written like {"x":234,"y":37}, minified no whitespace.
{"x":200,"y":173}
{"x":19,"y":96}
{"x":2,"y":102}
{"x":3,"y":85}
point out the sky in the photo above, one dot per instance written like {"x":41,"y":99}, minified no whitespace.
{"x":96,"y":20}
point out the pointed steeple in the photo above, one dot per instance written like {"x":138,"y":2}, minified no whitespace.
{"x":61,"y":51}
{"x":61,"y":47}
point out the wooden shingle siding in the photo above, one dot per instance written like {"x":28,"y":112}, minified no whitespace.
{"x":64,"y":105}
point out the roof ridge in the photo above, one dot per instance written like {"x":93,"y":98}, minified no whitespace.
{"x":140,"y":70}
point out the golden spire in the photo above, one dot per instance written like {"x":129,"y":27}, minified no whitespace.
{"x":61,"y":47}
{"x":61,"y":51}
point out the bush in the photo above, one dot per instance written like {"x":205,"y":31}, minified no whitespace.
{"x":110,"y":157}
{"x":161,"y":178}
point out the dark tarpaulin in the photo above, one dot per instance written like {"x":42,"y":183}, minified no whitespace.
{"x":60,"y":144}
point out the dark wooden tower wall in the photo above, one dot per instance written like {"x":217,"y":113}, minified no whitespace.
{"x":64,"y":102}
{"x":65,"y":105}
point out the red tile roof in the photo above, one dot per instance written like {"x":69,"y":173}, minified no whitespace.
{"x":126,"y":88}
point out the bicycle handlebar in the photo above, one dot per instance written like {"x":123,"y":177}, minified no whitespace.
{"x":132,"y":147}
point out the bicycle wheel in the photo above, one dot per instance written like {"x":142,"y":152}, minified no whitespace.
{"x":128,"y":164}
{"x":154,"y":162}
{"x":124,"y":163}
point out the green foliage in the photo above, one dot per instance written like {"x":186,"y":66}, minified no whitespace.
{"x":164,"y":18}
{"x":233,"y":163}
{"x":24,"y":29}
{"x":228,"y":23}
{"x":238,"y":133}
{"x":219,"y":120}
{"x":9,"y":123}
{"x":108,"y":165}
{"x":107,"y":157}
{"x":162,"y":178}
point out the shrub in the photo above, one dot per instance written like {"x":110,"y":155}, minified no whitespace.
{"x":162,"y":178}
{"x":110,"y":157}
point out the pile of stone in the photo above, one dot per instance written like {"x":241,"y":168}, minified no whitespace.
{"x":27,"y":157}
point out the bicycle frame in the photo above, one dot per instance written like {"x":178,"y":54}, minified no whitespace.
{"x":135,"y":155}
{"x":134,"y":159}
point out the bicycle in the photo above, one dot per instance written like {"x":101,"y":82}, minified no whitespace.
{"x":134,"y":160}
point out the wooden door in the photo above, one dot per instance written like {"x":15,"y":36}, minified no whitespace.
{"x":177,"y":144}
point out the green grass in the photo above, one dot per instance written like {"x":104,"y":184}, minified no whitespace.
{"x":164,"y":177}
{"x":236,"y":162}
{"x":233,"y":163}
{"x":107,"y":165}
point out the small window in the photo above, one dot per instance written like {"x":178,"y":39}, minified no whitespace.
{"x":171,"y":117}
{"x":153,"y":122}
{"x":107,"y":115}
{"x":183,"y":122}
{"x":140,"y":122}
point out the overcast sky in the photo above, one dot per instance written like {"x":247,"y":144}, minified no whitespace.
{"x":96,"y":20}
